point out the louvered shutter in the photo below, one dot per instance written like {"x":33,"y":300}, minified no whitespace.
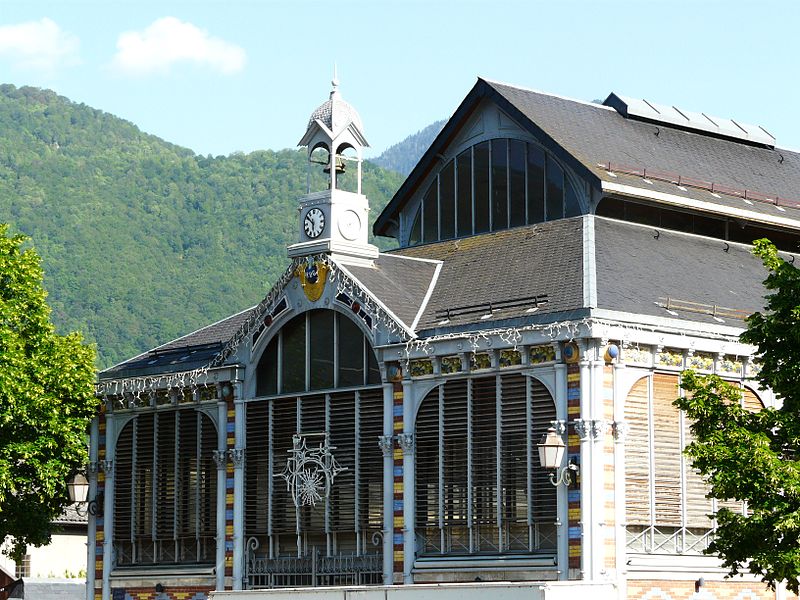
{"x":123,"y":514}
{"x":370,"y":481}
{"x":284,"y":426}
{"x":543,"y":493}
{"x":698,"y":506}
{"x":751,"y":401}
{"x":637,"y":454}
{"x":453,"y":412}
{"x":312,"y":420}
{"x":484,"y":462}
{"x":667,"y":450}
{"x":514,"y":461}
{"x":427,"y":469}
{"x":342,"y":435}
{"x":143,"y":488}
{"x":256,"y":471}
{"x":164,"y":508}
{"x":207,"y":493}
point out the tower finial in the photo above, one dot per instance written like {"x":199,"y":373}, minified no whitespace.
{"x":335,"y":82}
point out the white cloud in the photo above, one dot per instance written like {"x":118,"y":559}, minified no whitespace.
{"x":39,"y":45}
{"x":168,"y":41}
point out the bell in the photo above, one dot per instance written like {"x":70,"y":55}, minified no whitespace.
{"x":339,"y":166}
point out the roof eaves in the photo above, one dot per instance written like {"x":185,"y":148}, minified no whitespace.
{"x":647,"y":194}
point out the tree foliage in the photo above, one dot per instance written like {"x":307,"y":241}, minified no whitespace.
{"x":46,"y":402}
{"x":753,"y":457}
{"x":142,"y":240}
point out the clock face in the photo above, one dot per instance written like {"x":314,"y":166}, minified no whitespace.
{"x":314,"y":222}
{"x":349,"y":225}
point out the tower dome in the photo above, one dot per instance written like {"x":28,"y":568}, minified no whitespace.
{"x":335,"y":113}
{"x":336,"y":116}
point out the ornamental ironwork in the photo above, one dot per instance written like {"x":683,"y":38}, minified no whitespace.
{"x":309,"y":472}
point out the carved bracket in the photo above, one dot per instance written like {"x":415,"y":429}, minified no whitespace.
{"x":236,"y":456}
{"x":385,"y":444}
{"x":620,"y":430}
{"x":405,"y":441}
{"x":220,"y":458}
{"x":107,"y":466}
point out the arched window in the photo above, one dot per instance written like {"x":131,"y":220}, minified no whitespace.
{"x":479,"y":488}
{"x":321,"y":381}
{"x":493,"y":185}
{"x":667,"y":510}
{"x":165,"y":489}
{"x":317,"y":350}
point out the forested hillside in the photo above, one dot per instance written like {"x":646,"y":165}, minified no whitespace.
{"x":403,"y":156}
{"x":141,"y":240}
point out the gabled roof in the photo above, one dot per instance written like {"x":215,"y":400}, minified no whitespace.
{"x":591,"y":137}
{"x":399,"y":285}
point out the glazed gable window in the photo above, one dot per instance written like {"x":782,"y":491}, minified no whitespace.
{"x":317,"y":350}
{"x":491,"y":186}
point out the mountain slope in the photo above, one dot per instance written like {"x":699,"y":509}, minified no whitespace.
{"x":142,"y":240}
{"x":403,"y":156}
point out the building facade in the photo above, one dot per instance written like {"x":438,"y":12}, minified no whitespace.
{"x":374,"y":421}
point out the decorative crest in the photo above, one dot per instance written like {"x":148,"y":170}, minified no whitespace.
{"x":309,"y":472}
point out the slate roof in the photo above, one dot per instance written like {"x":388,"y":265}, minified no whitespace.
{"x":636,"y":271}
{"x":184,"y":353}
{"x":505,"y":272}
{"x":586,"y":135}
{"x":400,"y":282}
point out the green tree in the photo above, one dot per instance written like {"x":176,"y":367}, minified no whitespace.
{"x":46,"y":402}
{"x":753,"y":457}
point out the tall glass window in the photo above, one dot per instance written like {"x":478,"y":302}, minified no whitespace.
{"x":492,"y":186}
{"x":480,"y":187}
{"x":499,"y":184}
{"x":516,"y":182}
{"x":447,"y":202}
{"x":464,"y":193}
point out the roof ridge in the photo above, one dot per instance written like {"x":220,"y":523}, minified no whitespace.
{"x":543,"y":93}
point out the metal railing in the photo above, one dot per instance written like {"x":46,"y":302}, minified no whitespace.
{"x":667,"y":540}
{"x":312,"y":570}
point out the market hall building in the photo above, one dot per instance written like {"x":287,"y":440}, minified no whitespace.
{"x":376,"y":420}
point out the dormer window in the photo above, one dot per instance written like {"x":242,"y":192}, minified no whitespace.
{"x":493,"y":185}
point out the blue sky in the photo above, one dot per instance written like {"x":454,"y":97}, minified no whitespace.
{"x":220,"y":77}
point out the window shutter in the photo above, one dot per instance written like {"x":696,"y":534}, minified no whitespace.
{"x":637,"y":454}
{"x":342,"y":435}
{"x":164,"y":508}
{"x":123,"y":514}
{"x":256,"y":471}
{"x":667,"y":449}
{"x":427,"y":462}
{"x":543,"y":412}
{"x":484,"y":462}
{"x":514,"y":461}
{"x":284,"y":426}
{"x":370,"y":481}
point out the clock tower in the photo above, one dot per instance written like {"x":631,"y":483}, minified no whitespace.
{"x":333,"y":215}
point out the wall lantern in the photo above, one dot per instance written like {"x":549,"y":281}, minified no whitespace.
{"x":551,"y":453}
{"x":78,"y":489}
